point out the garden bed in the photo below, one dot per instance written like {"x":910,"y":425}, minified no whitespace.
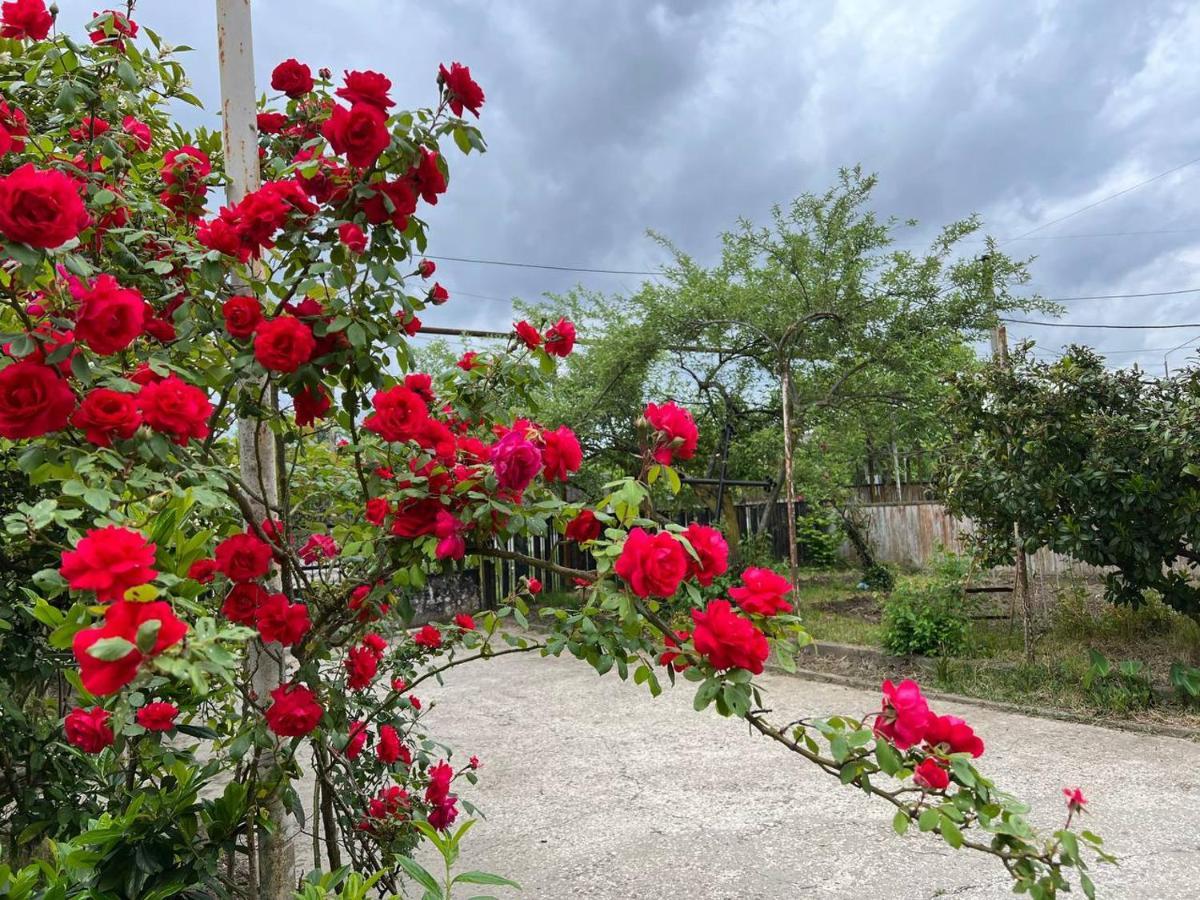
{"x":835,"y":611}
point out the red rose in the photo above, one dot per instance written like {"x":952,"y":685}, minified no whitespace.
{"x":712,"y":553}
{"x":675,"y":430}
{"x":26,"y":19}
{"x":949,"y":734}
{"x":410,"y":323}
{"x":560,"y":338}
{"x":175,"y":408}
{"x":375,"y":644}
{"x":282,"y":622}
{"x":293,"y":78}
{"x":931,"y":776}
{"x":905,"y":716}
{"x":534,"y":585}
{"x":109,"y":317}
{"x":158,"y":716}
{"x":139,"y":131}
{"x":438,"y":294}
{"x":727,"y":640}
{"x":399,"y":413}
{"x":14,"y":128}
{"x":466,"y":362}
{"x":421,"y":384}
{"x":361,"y":665}
{"x":393,"y":201}
{"x":352,"y":236}
{"x":583,"y":528}
{"x":357,"y":740}
{"x":367,"y":87}
{"x":426,"y":268}
{"x":242,"y":315}
{"x":294,"y":711}
{"x":102,"y":674}
{"x":88,"y":729}
{"x":529,"y":335}
{"x":465,"y":622}
{"x":34,"y":400}
{"x":40,"y":208}
{"x":185,"y":166}
{"x":270,"y":122}
{"x":114,"y":27}
{"x":440,"y":777}
{"x":389,"y":749}
{"x":652,"y":565}
{"x":671,"y":654}
{"x":105,"y":414}
{"x":429,"y":637}
{"x":763,"y":592}
{"x":414,"y":518}
{"x":202,"y":570}
{"x":319,"y":546}
{"x":109,"y":561}
{"x":283,"y":344}
{"x":243,"y":557}
{"x":359,"y":133}
{"x":89,"y":129}
{"x":377,"y":510}
{"x":516,"y":461}
{"x":310,"y":404}
{"x":427,"y":178}
{"x":1075,"y":800}
{"x":461,"y":90}
{"x":242,"y":602}
{"x":561,"y":453}
{"x":452,"y":544}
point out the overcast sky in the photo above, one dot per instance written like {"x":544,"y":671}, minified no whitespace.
{"x":607,"y":117}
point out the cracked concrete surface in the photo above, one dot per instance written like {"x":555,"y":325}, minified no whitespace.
{"x":593,"y":789}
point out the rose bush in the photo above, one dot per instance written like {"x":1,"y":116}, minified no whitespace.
{"x":141,"y":325}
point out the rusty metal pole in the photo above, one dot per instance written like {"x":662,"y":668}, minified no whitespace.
{"x":256,"y":442}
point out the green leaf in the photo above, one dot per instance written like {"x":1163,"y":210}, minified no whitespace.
{"x":421,"y":876}
{"x":484,"y":878}
{"x":110,"y":649}
{"x":951,"y":834}
{"x":888,"y":758}
{"x":928,"y":820}
{"x":900,"y":822}
{"x":147,"y":635}
{"x":96,"y":499}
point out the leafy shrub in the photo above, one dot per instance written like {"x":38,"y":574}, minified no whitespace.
{"x":926,"y":616}
{"x":1120,"y":689}
{"x":818,"y":538}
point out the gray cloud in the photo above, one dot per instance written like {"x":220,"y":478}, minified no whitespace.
{"x":604,"y":118}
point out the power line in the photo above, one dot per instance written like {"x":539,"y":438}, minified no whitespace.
{"x":1095,"y":234}
{"x":1096,"y":203}
{"x":525,"y":265}
{"x":1124,"y":296}
{"x":1093,"y":325}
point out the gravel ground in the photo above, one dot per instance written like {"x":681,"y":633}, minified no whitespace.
{"x":593,"y":789}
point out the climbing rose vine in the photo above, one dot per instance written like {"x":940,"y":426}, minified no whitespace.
{"x":143,"y":319}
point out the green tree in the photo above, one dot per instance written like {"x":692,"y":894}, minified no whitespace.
{"x":817,"y":319}
{"x":1097,"y":464}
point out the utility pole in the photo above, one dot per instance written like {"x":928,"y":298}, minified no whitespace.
{"x":785,"y":380}
{"x":1020,"y":561}
{"x":276,"y":857}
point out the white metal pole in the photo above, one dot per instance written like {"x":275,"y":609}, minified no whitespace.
{"x":256,"y":443}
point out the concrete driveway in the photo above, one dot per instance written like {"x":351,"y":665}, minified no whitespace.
{"x":593,"y":789}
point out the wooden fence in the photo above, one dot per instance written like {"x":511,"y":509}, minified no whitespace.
{"x":910,"y":533}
